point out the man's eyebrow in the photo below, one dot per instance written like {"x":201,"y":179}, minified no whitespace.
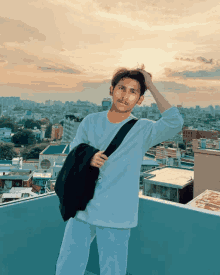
{"x":123,"y":86}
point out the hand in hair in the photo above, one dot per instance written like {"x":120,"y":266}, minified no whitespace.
{"x":147,"y":76}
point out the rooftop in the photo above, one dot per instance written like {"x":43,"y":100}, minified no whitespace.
{"x":171,"y":176}
{"x":207,"y":200}
{"x":67,"y":150}
{"x":55,"y":149}
{"x":42,"y":175}
{"x":169,"y":235}
{"x":16,"y":174}
{"x":4,"y":161}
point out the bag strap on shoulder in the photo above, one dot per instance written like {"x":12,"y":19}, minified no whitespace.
{"x":117,"y":140}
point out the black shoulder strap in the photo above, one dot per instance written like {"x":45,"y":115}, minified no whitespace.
{"x":117,"y":140}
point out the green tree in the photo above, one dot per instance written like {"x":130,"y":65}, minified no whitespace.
{"x":7,"y":151}
{"x":33,"y":152}
{"x":48,"y":131}
{"x":182,"y":146}
{"x":8,"y":123}
{"x":30,"y":124}
{"x":24,"y":137}
{"x":18,"y":108}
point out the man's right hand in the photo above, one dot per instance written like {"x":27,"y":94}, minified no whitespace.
{"x":98,"y":159}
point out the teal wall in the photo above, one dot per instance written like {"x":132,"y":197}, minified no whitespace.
{"x":170,"y":239}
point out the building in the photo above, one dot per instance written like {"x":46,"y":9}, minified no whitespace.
{"x":41,"y":179}
{"x":28,"y":115}
{"x":207,"y":163}
{"x":190,"y":134}
{"x":37,"y":133}
{"x":169,"y":156}
{"x":208,"y":199}
{"x":50,"y":155}
{"x":169,"y":183}
{"x":57,"y":131}
{"x":43,"y":131}
{"x":71,"y":124}
{"x":106,"y":103}
{"x":148,"y":164}
{"x":16,"y":178}
{"x":17,"y":193}
{"x":5,"y":133}
{"x":37,"y":116}
{"x":49,"y":102}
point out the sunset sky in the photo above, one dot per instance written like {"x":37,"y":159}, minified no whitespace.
{"x":69,"y":49}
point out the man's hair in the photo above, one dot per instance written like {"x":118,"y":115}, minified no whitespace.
{"x":129,"y":73}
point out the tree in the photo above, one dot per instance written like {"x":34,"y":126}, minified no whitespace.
{"x":8,"y":123}
{"x":182,"y":146}
{"x":7,"y":151}
{"x":33,"y":152}
{"x":24,"y":137}
{"x":30,"y":124}
{"x":48,"y":131}
{"x":18,"y":109}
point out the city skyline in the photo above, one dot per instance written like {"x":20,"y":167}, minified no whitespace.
{"x":72,"y":52}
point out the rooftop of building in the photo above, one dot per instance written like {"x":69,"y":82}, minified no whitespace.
{"x":56,"y":149}
{"x":171,"y":176}
{"x":4,"y":161}
{"x":209,"y":200}
{"x":17,"y":174}
{"x":42,"y":175}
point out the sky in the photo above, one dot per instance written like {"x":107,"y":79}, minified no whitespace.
{"x":68,"y":50}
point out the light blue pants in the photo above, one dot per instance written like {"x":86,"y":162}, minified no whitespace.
{"x":74,"y":253}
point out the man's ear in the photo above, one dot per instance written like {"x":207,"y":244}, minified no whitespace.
{"x":111,"y":90}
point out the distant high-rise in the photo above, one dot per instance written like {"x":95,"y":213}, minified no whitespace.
{"x":106,"y":103}
{"x":211,"y":110}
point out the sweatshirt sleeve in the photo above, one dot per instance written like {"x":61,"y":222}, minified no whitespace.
{"x":81,"y":134}
{"x":166,"y":127}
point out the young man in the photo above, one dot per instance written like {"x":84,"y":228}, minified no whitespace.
{"x":113,"y":211}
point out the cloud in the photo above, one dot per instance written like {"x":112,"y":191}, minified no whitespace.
{"x":196,"y":67}
{"x":69,"y":47}
{"x":202,"y":74}
{"x":160,"y":6}
{"x":172,"y":86}
{"x":199,"y":59}
{"x":65,"y":69}
{"x":12,"y":30}
{"x":26,"y":61}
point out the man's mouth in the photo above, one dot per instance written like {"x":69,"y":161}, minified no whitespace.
{"x":122,"y":103}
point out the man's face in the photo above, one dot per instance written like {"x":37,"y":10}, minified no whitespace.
{"x":127,"y":91}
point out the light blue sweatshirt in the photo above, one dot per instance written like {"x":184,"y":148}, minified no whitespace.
{"x":116,"y":198}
